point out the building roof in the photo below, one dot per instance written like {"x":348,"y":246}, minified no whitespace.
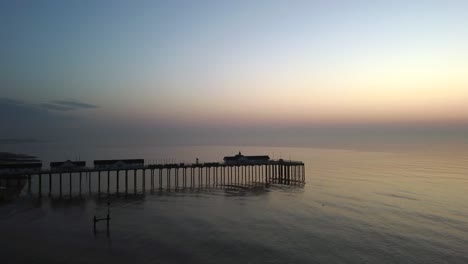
{"x":246,"y":158}
{"x":110,"y":162}
{"x":67,"y":163}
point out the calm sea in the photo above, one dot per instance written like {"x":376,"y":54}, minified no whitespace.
{"x":356,"y":207}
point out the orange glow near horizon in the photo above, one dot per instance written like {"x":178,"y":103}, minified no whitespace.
{"x":384,"y":93}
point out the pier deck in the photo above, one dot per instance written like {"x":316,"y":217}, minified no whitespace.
{"x":174,"y":176}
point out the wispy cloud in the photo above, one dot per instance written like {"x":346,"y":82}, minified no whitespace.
{"x":67,"y":105}
{"x":73,"y":104}
{"x":56,"y":107}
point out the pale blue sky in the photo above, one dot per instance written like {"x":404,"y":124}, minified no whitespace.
{"x":239,"y":63}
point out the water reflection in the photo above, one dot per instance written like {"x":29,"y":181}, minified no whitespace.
{"x":357,"y":207}
{"x":11,"y":187}
{"x":57,"y":198}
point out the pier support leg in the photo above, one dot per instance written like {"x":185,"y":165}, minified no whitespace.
{"x":168,"y":182}
{"x":199,"y":177}
{"x":303,"y":174}
{"x":176,"y":178}
{"x":80,"y":183}
{"x":144,"y":180}
{"x":50,"y":184}
{"x":117,"y":181}
{"x":40,"y":185}
{"x":60,"y":183}
{"x":185,"y":178}
{"x":231,"y":176}
{"x":29,"y":183}
{"x":99,"y":182}
{"x":152,"y":179}
{"x":126,"y":181}
{"x":134,"y":181}
{"x":160,"y":179}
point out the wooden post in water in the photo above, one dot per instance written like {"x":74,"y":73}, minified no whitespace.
{"x":107,"y":219}
{"x":108,"y":181}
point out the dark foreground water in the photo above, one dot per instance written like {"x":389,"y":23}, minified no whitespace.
{"x":357,"y":207}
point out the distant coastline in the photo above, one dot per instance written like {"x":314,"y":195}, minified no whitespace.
{"x":18,"y":140}
{"x":7,"y":157}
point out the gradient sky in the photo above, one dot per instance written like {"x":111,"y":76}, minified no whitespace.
{"x":181,"y":65}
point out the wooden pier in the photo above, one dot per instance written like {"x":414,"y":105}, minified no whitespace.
{"x":162,"y":177}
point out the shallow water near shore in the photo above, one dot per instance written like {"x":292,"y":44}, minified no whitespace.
{"x":356,"y":207}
